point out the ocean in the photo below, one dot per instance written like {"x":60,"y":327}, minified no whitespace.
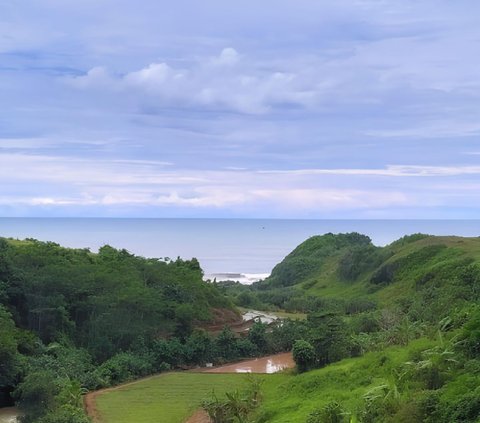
{"x":238,"y":249}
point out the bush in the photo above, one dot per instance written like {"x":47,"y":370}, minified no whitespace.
{"x":303,"y":355}
{"x":330,"y":413}
{"x":124,"y":366}
{"x":471,"y":335}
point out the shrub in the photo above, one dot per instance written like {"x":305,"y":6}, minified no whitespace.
{"x":330,"y":413}
{"x":303,"y":355}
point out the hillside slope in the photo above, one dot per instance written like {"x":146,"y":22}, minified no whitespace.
{"x":394,"y":332}
{"x":348,"y":267}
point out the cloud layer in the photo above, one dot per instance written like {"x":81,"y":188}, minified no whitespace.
{"x":353,"y":108}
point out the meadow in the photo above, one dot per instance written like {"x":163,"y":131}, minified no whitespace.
{"x":167,"y":398}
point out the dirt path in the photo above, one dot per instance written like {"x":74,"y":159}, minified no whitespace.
{"x":200,"y":416}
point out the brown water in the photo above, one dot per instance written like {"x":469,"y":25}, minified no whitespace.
{"x":8,"y":415}
{"x":270,"y":364}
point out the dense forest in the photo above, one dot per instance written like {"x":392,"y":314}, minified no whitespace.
{"x":392,"y":334}
{"x":72,"y":321}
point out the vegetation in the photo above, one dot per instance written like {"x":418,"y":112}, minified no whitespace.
{"x":72,"y":321}
{"x":407,"y":315}
{"x":392,"y":334}
{"x":168,"y":398}
{"x":235,"y":406}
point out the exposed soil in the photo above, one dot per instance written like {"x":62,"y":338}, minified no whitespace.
{"x":222,"y":317}
{"x":200,"y":416}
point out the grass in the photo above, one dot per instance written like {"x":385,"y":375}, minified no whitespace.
{"x":172,"y":397}
{"x":287,"y":315}
{"x":167,"y":398}
{"x":327,"y":284}
{"x":290,"y":399}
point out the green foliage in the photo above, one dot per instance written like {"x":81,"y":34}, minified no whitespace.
{"x":303,"y":354}
{"x":9,"y":359}
{"x":309,"y":257}
{"x":124,"y":366}
{"x":330,"y":413}
{"x":55,"y":291}
{"x":37,"y":395}
{"x":71,"y":320}
{"x":226,"y":344}
{"x":78,"y":320}
{"x":329,"y":337}
{"x":471,"y":334}
{"x":235,"y":406}
{"x":257,"y":335}
{"x":360,"y":259}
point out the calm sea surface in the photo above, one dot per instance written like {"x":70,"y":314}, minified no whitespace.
{"x":250,"y":247}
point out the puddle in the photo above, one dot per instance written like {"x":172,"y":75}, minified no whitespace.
{"x":270,"y":364}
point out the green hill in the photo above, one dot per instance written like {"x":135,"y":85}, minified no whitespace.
{"x":348,"y":267}
{"x":395,"y":330}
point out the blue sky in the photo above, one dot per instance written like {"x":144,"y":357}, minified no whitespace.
{"x":296,"y":109}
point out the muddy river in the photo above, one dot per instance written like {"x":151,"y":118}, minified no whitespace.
{"x":269,"y":364}
{"x":8,"y":415}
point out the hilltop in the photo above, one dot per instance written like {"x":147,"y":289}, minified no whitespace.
{"x":347,"y":268}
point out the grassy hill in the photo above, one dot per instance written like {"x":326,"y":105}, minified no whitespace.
{"x":407,"y":315}
{"x":381,"y":386}
{"x":348,"y":267}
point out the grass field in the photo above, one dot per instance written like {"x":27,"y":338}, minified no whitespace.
{"x":167,"y":398}
{"x":290,"y":399}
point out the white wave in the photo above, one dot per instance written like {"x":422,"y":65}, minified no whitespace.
{"x":243,"y":278}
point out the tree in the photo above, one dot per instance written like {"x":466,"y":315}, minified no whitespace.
{"x":36,"y":395}
{"x":8,"y":349}
{"x":303,"y":355}
{"x":328,"y":335}
{"x":226,"y":344}
{"x":258,"y":336}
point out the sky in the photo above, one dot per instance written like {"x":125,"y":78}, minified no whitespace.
{"x":274,"y":108}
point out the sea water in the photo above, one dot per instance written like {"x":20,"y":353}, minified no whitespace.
{"x":236,"y":249}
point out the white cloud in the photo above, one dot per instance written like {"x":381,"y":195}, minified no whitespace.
{"x":227,"y":81}
{"x":390,"y":171}
{"x":229,"y":56}
{"x":118,"y":183}
{"x":94,"y":78}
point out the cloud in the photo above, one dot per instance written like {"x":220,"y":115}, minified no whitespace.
{"x":126,"y":184}
{"x":228,"y":57}
{"x":294,"y":108}
{"x":225,"y":82}
{"x":390,"y":171}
